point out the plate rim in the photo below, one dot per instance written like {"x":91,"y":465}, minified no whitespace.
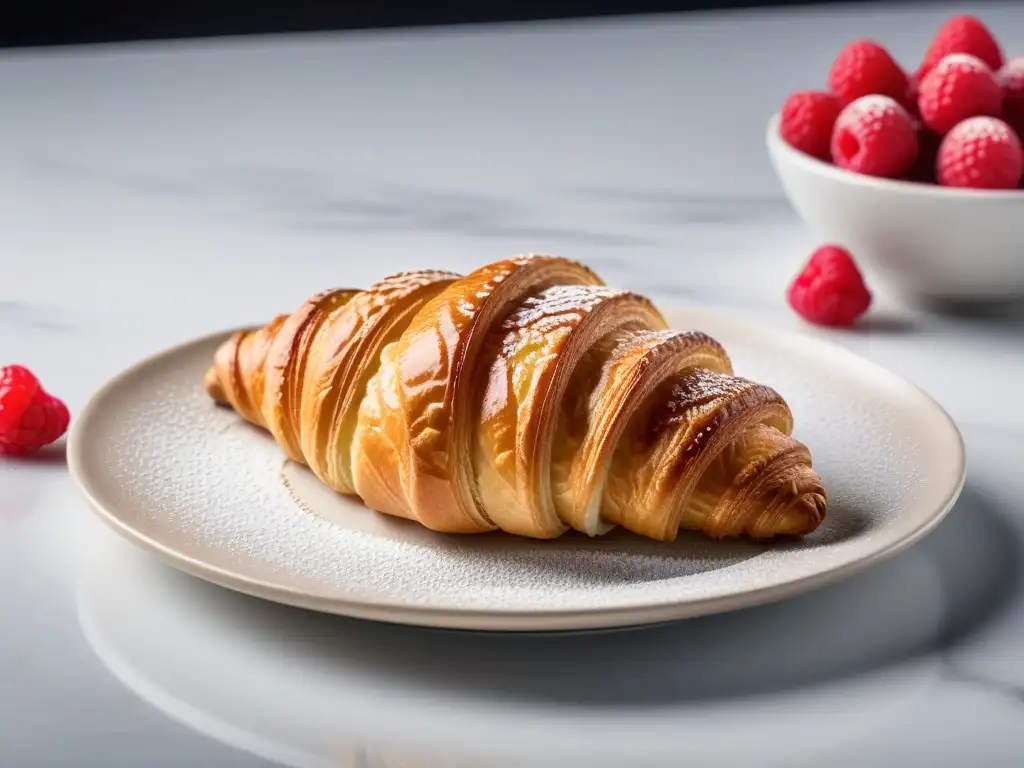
{"x":506,"y":620}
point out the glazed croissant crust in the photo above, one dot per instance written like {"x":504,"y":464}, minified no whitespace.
{"x":526,"y":397}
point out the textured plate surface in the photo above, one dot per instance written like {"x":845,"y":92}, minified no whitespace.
{"x":215,"y":497}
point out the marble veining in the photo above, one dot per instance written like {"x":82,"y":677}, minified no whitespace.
{"x":685,"y":208}
{"x":311,"y":200}
{"x":953,"y":673}
{"x":307,"y":201}
{"x":19,"y":315}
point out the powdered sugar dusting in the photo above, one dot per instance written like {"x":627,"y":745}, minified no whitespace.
{"x":875,"y":107}
{"x":195,"y":478}
{"x":976,"y":128}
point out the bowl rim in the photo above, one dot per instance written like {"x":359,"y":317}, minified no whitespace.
{"x":778,"y":146}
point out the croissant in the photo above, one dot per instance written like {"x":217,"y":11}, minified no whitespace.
{"x":526,"y":397}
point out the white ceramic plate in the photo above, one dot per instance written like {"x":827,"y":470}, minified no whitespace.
{"x":193,"y":484}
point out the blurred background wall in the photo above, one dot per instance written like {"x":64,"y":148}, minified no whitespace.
{"x":61,"y":22}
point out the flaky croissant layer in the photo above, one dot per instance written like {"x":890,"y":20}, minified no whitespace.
{"x":527,"y":397}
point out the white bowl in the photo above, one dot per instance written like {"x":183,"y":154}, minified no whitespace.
{"x":925,"y":242}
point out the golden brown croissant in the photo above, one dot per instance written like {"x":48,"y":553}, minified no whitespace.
{"x":526,"y":397}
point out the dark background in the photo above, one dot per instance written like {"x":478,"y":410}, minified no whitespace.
{"x":60,"y":22}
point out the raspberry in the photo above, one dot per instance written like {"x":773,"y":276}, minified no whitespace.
{"x":958,"y":87}
{"x":829,"y":289}
{"x":874,"y":135}
{"x":864,"y":68}
{"x":981,"y":153}
{"x":962,"y":34}
{"x":30,"y":418}
{"x":17,"y":388}
{"x":1011,"y":80}
{"x":806,"y":122}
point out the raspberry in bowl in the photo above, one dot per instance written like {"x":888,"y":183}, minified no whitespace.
{"x":922,"y":177}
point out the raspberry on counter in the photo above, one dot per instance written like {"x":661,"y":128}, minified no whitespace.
{"x":30,"y":418}
{"x":830,"y":289}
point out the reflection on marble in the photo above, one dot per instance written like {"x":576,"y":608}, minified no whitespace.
{"x":306,"y":689}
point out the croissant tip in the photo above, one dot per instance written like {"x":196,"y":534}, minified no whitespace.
{"x":804,"y":516}
{"x":212,"y":385}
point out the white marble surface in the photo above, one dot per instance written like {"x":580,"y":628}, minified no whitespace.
{"x":153,"y":193}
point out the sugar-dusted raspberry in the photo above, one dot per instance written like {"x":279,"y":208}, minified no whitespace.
{"x":806,"y":122}
{"x":980,"y":153}
{"x":875,"y":136}
{"x":863,"y":68}
{"x":962,"y":34}
{"x":830,"y":289}
{"x":1011,"y":80}
{"x":958,"y":87}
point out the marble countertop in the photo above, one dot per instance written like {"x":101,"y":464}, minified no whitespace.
{"x":154,"y":193}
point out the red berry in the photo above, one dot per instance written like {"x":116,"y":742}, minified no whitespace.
{"x":1011,"y":80}
{"x":829,"y":289}
{"x":958,"y":87}
{"x":962,"y":34}
{"x":43,"y":422}
{"x":30,"y":418}
{"x":981,"y":153}
{"x":874,"y":135}
{"x":806,"y":122}
{"x":863,"y":68}
{"x":17,"y":388}
{"x":57,"y":420}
